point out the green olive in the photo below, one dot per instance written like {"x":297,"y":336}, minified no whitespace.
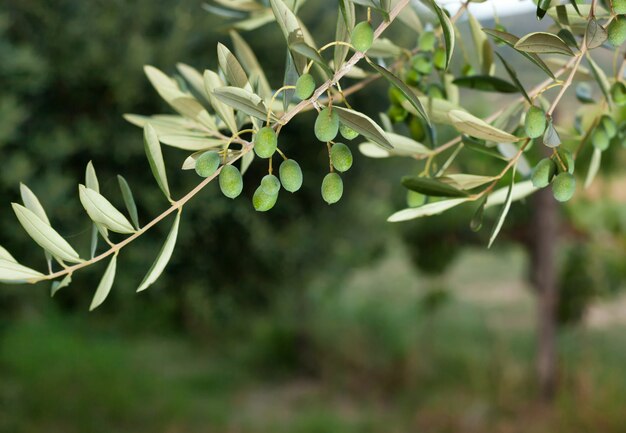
{"x":262,"y":201}
{"x":326,"y":125}
{"x":305,"y":86}
{"x":543,"y":173}
{"x":265,"y":142}
{"x":609,"y":125}
{"x":362,"y":36}
{"x":270,"y":184}
{"x":231,"y":182}
{"x":207,"y":163}
{"x":290,"y":175}
{"x":600,"y":139}
{"x":535,"y":123}
{"x":332,"y":188}
{"x":426,"y":41}
{"x":618,"y":93}
{"x":564,"y":187}
{"x":617,"y":31}
{"x":341,"y":157}
{"x":619,"y":6}
{"x":347,"y":132}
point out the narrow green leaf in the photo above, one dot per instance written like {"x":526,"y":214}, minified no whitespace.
{"x":91,"y":182}
{"x":402,"y":87}
{"x":233,"y":71}
{"x":486,"y":83}
{"x":290,"y":26}
{"x":163,"y":258}
{"x":511,"y":40}
{"x":503,"y":212}
{"x":290,"y":79}
{"x":472,"y":125}
{"x":345,"y":24}
{"x":155,"y":158}
{"x":103,"y":212}
{"x":104,"y":287}
{"x":129,"y":200}
{"x":242,"y":100}
{"x":514,"y":77}
{"x":543,"y":42}
{"x":13,"y":273}
{"x":5,"y":255}
{"x":310,"y":53}
{"x":363,"y":125}
{"x":448,"y":31}
{"x":212,"y":81}
{"x":44,"y":235}
{"x":426,"y":210}
{"x":466,"y":181}
{"x":520,"y":190}
{"x":595,"y":35}
{"x":431,"y":187}
{"x":601,"y":78}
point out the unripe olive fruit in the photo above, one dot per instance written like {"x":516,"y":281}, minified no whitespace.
{"x":535,"y":123}
{"x":305,"y":86}
{"x":396,"y":97}
{"x":262,"y":201}
{"x":265,"y":142}
{"x":207,"y":163}
{"x":427,"y":41}
{"x":543,"y":173}
{"x":618,"y":93}
{"x":290,"y":175}
{"x":609,"y":125}
{"x":600,"y":139}
{"x":362,"y":36}
{"x":270,"y":184}
{"x":230,"y":180}
{"x":422,"y":65}
{"x":617,"y":31}
{"x":416,"y":128}
{"x":563,"y":187}
{"x":413,"y":78}
{"x":326,"y":125}
{"x":435,"y":91}
{"x":397,"y":114}
{"x":332,"y":188}
{"x":619,"y":6}
{"x":341,"y":157}
{"x":414,"y":198}
{"x":439,"y":59}
{"x":347,"y":132}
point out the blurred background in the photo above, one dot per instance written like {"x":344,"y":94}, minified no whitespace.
{"x":306,"y":319}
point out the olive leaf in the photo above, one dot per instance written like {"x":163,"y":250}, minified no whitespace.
{"x":44,"y":235}
{"x":290,"y":26}
{"x":5,"y":255}
{"x":103,"y":212}
{"x":543,"y":42}
{"x":232,"y":69}
{"x":594,"y":167}
{"x":426,"y":210}
{"x":431,"y":187}
{"x":162,"y":258}
{"x":363,"y":125}
{"x":486,"y":83}
{"x":472,"y":125}
{"x":519,"y":191}
{"x":595,"y":34}
{"x":402,"y":87}
{"x":13,"y":273}
{"x":242,"y":100}
{"x":31,"y":202}
{"x":345,"y":24}
{"x":511,"y":40}
{"x":466,"y":181}
{"x":504,"y":211}
{"x":152,"y":147}
{"x":250,"y":63}
{"x":129,"y":200}
{"x":104,"y":287}
{"x":212,"y":81}
{"x":448,"y":31}
{"x":58,"y":285}
{"x":310,"y":53}
{"x":514,"y":78}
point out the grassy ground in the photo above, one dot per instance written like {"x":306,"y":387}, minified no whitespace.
{"x":382,"y":365}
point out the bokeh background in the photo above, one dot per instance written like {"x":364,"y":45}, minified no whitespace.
{"x":306,"y":319}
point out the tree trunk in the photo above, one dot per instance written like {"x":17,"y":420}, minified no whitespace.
{"x":543,"y":243}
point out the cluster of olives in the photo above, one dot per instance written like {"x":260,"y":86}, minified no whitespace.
{"x":231,"y":181}
{"x":557,"y":170}
{"x":327,"y":126}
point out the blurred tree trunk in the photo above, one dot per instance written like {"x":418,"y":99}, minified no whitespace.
{"x":543,"y":243}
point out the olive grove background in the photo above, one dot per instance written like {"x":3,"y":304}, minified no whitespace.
{"x":309,"y":318}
